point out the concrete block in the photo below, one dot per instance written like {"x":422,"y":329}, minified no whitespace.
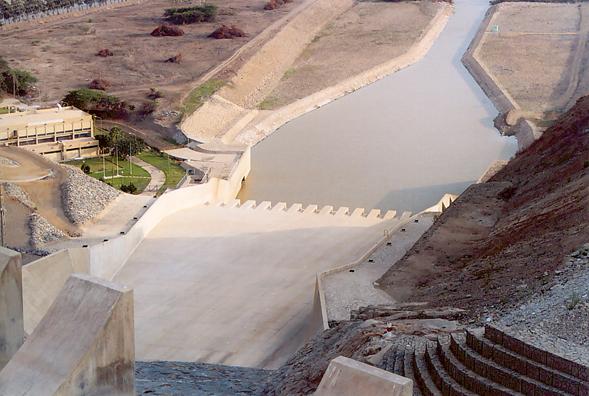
{"x":264,"y":205}
{"x":406,"y":215}
{"x":84,"y":345}
{"x":326,"y":210}
{"x":343,"y":211}
{"x":235,"y":203}
{"x":249,"y":204}
{"x":11,"y":305}
{"x":295,"y":208}
{"x":390,"y":214}
{"x":374,"y":214}
{"x":279,"y":207}
{"x":358,"y":212}
{"x":348,"y":377}
{"x":310,"y":209}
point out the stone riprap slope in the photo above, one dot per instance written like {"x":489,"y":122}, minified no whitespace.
{"x":16,"y":192}
{"x":188,"y":378}
{"x":42,"y":231}
{"x":504,"y":240}
{"x":558,"y":317}
{"x":84,"y":197}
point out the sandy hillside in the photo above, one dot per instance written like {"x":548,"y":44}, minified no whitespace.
{"x":62,"y":53}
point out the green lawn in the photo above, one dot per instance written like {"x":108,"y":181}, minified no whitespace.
{"x":125,"y":175}
{"x":173,"y":171}
{"x":198,"y":96}
{"x":3,"y":110}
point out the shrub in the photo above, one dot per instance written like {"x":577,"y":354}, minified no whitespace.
{"x":147,"y":108}
{"x":19,"y":82}
{"x":226,"y":32}
{"x":129,"y":188}
{"x":154,"y":94}
{"x":96,"y":102}
{"x":104,"y":53}
{"x":85,"y":168}
{"x":167,"y":30}
{"x":99,"y":84}
{"x":197,"y":14}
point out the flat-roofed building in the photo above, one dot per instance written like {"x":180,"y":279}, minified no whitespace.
{"x":58,"y":133}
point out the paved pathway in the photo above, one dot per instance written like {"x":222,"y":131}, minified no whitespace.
{"x":158,"y":178}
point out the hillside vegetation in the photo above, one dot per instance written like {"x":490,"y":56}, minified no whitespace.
{"x":18,"y":8}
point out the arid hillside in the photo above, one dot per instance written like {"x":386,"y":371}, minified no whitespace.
{"x":505,"y":239}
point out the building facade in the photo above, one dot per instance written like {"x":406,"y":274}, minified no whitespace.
{"x":59,"y":134}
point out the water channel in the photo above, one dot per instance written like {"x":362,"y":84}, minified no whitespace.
{"x":399,"y":143}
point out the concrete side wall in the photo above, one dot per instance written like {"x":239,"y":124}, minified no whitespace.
{"x":43,"y":280}
{"x":107,"y":258}
{"x":83,"y":346}
{"x":525,"y":131}
{"x":348,"y":377}
{"x":11,"y":305}
{"x":296,"y":109}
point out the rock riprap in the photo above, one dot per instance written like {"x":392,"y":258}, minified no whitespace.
{"x":84,"y":197}
{"x":42,"y":231}
{"x":14,"y":191}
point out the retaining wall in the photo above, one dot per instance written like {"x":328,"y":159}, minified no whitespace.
{"x":281,"y":116}
{"x":525,"y":132}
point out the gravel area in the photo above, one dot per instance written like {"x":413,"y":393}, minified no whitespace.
{"x":84,"y":197}
{"x":14,"y":191}
{"x":558,"y":319}
{"x":42,"y":231}
{"x":187,"y":378}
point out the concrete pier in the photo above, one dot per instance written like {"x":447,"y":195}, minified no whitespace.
{"x":83,"y":346}
{"x":11,"y":306}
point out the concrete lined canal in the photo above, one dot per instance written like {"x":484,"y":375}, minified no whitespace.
{"x":399,"y":143}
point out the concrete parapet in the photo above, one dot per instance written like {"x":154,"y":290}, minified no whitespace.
{"x":83,"y":346}
{"x":310,"y":209}
{"x":346,"y":376}
{"x":390,"y":214}
{"x":11,"y":305}
{"x":295,"y":208}
{"x":358,"y":212}
{"x":374,"y":214}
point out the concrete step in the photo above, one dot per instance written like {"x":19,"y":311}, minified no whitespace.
{"x":476,"y":379}
{"x":421,"y":373}
{"x":528,"y":375}
{"x":441,"y":378}
{"x":514,"y":344}
{"x":408,"y":371}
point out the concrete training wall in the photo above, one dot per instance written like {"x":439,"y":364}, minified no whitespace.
{"x":83,"y":346}
{"x":281,"y":116}
{"x":107,"y":258}
{"x":525,"y":132}
{"x":43,"y":280}
{"x":348,"y":377}
{"x":11,"y":306}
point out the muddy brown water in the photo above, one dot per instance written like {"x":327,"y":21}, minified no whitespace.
{"x":400,"y":143}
